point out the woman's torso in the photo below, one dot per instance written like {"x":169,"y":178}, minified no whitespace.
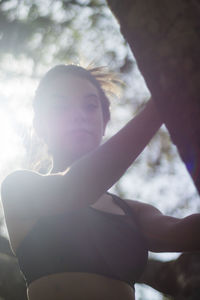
{"x":75,"y":284}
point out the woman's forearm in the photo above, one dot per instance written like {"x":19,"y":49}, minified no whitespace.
{"x":96,"y":172}
{"x":169,"y":234}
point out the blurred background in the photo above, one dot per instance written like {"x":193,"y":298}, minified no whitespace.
{"x":36,"y":35}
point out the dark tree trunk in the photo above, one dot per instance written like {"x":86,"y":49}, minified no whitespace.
{"x":165,"y":39}
{"x":12,"y":284}
{"x":178,"y":278}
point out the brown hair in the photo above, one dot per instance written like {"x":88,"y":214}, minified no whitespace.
{"x":103,"y":80}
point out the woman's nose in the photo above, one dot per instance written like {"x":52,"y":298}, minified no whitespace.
{"x":77,"y":114}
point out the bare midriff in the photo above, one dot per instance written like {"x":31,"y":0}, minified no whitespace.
{"x":79,"y":286}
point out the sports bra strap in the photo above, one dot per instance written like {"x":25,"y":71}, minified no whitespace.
{"x":126,"y":208}
{"x":122,"y":204}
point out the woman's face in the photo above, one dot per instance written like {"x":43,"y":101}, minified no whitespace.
{"x":73,"y":119}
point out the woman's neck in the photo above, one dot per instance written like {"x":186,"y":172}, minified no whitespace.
{"x":62,"y":162}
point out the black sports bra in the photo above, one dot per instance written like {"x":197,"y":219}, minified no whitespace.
{"x":86,"y":240}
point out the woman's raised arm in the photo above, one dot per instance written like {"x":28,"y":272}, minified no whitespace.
{"x":95,"y":173}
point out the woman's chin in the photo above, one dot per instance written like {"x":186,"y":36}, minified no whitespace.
{"x":71,"y":151}
{"x":78,"y":150}
{"x":80,"y":146}
{"x":81,"y":151}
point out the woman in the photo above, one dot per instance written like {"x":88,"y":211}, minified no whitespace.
{"x":73,"y":239}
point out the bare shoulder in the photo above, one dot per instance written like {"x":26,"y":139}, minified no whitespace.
{"x":137,"y":205}
{"x":19,"y":175}
{"x":17,"y":183}
{"x":142,"y":209}
{"x":17,"y":187}
{"x":28,"y":193}
{"x":133,"y":204}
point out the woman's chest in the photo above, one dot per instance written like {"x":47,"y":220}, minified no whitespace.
{"x":20,"y":226}
{"x":84,"y":241}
